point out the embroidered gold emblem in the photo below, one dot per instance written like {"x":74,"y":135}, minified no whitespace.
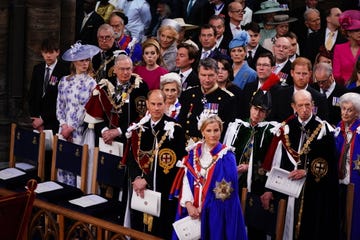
{"x":357,"y":163}
{"x":261,"y":171}
{"x":167,"y":159}
{"x":140,"y":105}
{"x":251,"y":202}
{"x":272,"y":208}
{"x":223,"y":190}
{"x":111,"y":72}
{"x":77,"y":152}
{"x":319,"y":168}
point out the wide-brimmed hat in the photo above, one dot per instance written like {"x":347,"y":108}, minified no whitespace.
{"x":240,"y":40}
{"x":172,"y":23}
{"x":350,"y":20}
{"x":182,"y":23}
{"x":269,"y":6}
{"x":79,"y":52}
{"x":282,"y":18}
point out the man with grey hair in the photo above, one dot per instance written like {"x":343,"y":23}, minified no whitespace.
{"x":117,"y":103}
{"x":327,"y":36}
{"x":110,"y":110}
{"x":326,"y":84}
{"x":282,"y":67}
{"x":103,"y":62}
{"x":311,"y":23}
{"x":304,"y":146}
{"x":208,"y":97}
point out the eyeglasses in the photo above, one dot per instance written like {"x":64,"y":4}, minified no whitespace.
{"x":238,"y":11}
{"x":322,"y":81}
{"x":104,"y":38}
{"x":263,"y":65}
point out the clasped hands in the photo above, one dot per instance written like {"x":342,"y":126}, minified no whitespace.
{"x":139,"y":185}
{"x":193,"y":212}
{"x":109,"y":135}
{"x":66,"y":132}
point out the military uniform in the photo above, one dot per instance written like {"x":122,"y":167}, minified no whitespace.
{"x":157,"y":167}
{"x":194,"y":101}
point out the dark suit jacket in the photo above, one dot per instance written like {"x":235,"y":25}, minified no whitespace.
{"x":227,"y":33}
{"x":299,"y":27}
{"x":88,"y":34}
{"x":259,"y":51}
{"x":199,"y":13}
{"x":332,"y":102}
{"x":317,"y":39}
{"x":106,"y":72}
{"x":282,"y":104}
{"x":191,"y":81}
{"x":45,"y":106}
{"x":224,"y":45}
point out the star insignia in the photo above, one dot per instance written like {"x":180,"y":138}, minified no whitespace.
{"x":357,"y":163}
{"x":223,"y":190}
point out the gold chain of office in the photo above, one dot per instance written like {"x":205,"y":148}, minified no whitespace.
{"x":118,"y":107}
{"x":305,"y":149}
{"x":153,"y":151}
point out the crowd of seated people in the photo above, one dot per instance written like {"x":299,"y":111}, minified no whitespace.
{"x":277,"y":72}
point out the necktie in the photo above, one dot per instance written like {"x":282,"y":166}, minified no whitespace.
{"x":324,"y":92}
{"x":238,"y":28}
{"x":329,"y":41}
{"x":46,"y":80}
{"x":191,"y":2}
{"x":302,"y":136}
{"x":204,"y":54}
{"x":250,"y":58}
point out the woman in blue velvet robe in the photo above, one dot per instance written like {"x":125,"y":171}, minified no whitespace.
{"x":347,"y":137}
{"x":209,"y":185}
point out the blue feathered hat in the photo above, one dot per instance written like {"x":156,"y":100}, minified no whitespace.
{"x":79,"y":52}
{"x":240,"y":40}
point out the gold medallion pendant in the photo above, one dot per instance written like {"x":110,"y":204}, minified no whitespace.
{"x":319,"y":168}
{"x":167,"y":159}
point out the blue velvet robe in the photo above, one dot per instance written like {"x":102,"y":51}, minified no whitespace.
{"x":354,"y":174}
{"x":220,"y":219}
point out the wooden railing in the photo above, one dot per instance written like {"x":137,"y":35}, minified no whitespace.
{"x":50,"y":221}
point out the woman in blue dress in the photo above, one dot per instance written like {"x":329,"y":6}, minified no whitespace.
{"x":209,"y":185}
{"x":243,"y":73}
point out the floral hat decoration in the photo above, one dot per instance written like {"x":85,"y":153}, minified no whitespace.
{"x":80,"y":52}
{"x":240,"y":40}
{"x":350,"y":20}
